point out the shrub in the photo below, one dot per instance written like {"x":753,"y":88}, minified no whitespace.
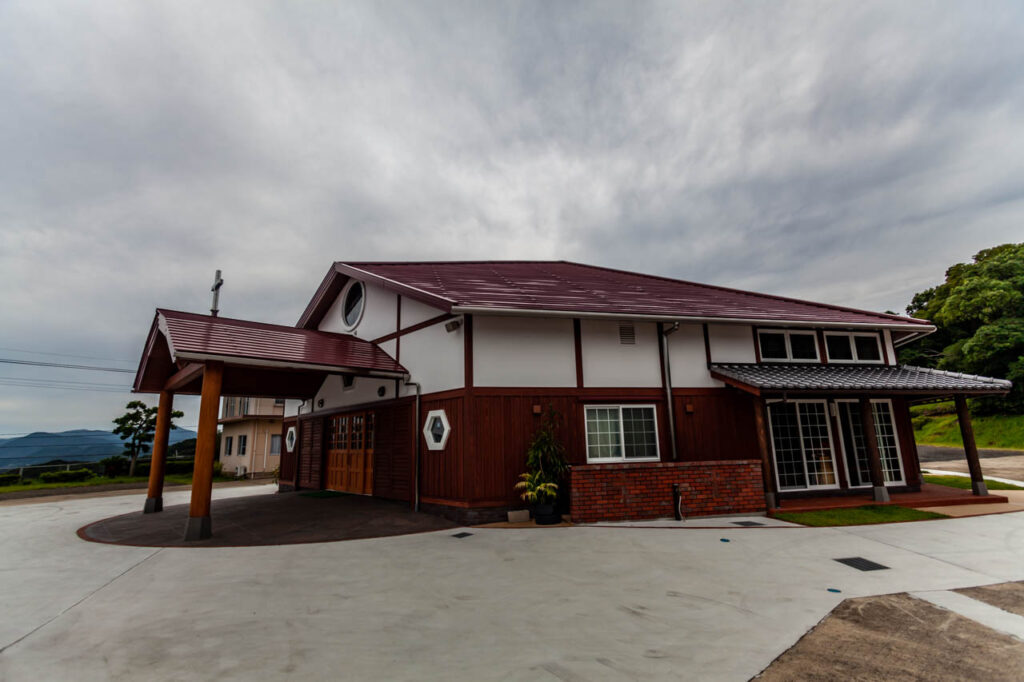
{"x":9,"y":479}
{"x":218,"y":468}
{"x":66,"y":476}
{"x":114,"y":466}
{"x":184,"y":467}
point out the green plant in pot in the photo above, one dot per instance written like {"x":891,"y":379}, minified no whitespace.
{"x":541,"y":494}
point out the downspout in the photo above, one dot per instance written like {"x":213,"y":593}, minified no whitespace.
{"x":670,"y":408}
{"x":416,"y":455}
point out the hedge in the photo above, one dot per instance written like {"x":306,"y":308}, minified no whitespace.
{"x":66,"y":476}
{"x":9,"y":479}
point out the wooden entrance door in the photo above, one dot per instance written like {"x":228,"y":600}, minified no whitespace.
{"x":350,"y":453}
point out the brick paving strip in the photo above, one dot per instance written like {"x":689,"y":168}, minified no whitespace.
{"x":900,"y":637}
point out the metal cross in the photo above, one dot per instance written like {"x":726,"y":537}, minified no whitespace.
{"x":217,"y":284}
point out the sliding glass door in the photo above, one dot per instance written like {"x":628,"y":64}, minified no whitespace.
{"x":802,"y":443}
{"x":855,"y":452}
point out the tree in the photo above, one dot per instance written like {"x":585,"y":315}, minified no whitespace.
{"x":979,"y":312}
{"x":136,"y":427}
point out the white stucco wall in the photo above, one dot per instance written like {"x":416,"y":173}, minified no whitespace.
{"x":731,"y":343}
{"x":688,"y":359}
{"x":434,"y":357}
{"x":414,"y":312}
{"x":889,"y":348}
{"x":606,"y":362}
{"x":379,"y":315}
{"x":523,"y":351}
{"x":364,"y":390}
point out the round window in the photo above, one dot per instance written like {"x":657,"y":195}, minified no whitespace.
{"x":352,"y":306}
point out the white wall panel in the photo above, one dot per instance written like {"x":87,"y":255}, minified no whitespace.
{"x":607,"y":362}
{"x":688,"y":358}
{"x":731,"y":343}
{"x":378,"y":319}
{"x":435,"y":357}
{"x":523,"y":351}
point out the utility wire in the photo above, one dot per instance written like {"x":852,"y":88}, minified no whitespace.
{"x":36,"y":363}
{"x":63,"y":355}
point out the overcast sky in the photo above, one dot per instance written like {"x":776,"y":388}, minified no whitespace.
{"x":842,"y":152}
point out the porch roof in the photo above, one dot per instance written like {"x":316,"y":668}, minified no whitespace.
{"x":855,"y":379}
{"x":259,"y":359}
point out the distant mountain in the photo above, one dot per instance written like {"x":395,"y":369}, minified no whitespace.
{"x":79,"y":445}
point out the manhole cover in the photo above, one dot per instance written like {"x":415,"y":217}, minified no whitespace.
{"x":747,"y":523}
{"x":461,"y":535}
{"x":861,"y":564}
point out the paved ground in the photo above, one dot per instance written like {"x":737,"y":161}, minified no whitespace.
{"x":584,"y":603}
{"x":1000,"y":463}
{"x":283,"y":519}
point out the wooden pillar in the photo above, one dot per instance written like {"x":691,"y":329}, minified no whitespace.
{"x":206,"y":439}
{"x":867,"y":416}
{"x":158,"y":460}
{"x":963,"y":416}
{"x":770,"y":497}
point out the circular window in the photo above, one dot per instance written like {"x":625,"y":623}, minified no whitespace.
{"x":352,"y":304}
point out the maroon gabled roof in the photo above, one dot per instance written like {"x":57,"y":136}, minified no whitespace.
{"x":190,"y":336}
{"x":564,"y":287}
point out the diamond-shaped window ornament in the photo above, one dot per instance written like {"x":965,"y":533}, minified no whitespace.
{"x":436,"y":430}
{"x":290,"y":439}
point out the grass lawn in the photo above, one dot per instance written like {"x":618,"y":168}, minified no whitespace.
{"x":856,"y":516}
{"x":936,"y":425}
{"x":964,"y":482}
{"x":169,"y":479}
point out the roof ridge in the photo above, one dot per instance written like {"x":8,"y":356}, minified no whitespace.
{"x":746,"y":292}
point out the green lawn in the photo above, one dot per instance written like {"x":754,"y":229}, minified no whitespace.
{"x":169,"y":479}
{"x":937,"y":425}
{"x":856,"y":516}
{"x":964,"y":482}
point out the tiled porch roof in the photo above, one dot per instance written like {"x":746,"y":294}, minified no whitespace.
{"x":855,"y":379}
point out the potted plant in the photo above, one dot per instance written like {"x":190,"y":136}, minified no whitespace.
{"x":542,"y":494}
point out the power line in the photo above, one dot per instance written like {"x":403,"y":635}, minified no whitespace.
{"x":37,"y":363}
{"x":63,"y":355}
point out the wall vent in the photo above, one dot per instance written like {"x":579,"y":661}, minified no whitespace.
{"x":627,"y":334}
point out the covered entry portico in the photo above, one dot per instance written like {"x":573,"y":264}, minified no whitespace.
{"x":212,"y":356}
{"x":825,"y":428}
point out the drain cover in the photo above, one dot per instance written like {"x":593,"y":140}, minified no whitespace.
{"x":747,"y":523}
{"x":861,"y":564}
{"x":461,"y":535}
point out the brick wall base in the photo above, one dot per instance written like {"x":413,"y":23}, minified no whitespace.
{"x":643,"y":490}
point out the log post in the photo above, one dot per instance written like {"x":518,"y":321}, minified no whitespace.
{"x":158,"y":460}
{"x":770,"y":497}
{"x":867,"y":415}
{"x":199,"y":527}
{"x":963,"y":415}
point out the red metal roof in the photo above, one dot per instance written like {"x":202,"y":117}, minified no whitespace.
{"x":561,"y":286}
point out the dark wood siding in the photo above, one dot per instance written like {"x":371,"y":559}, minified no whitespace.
{"x":288,"y":459}
{"x":393,"y":451}
{"x":720,"y":426}
{"x":442,"y":472}
{"x":311,"y":453}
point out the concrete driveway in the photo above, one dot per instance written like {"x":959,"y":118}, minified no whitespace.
{"x":582,"y":603}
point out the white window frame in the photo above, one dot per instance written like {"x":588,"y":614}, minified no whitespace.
{"x":853,"y":348}
{"x":341,"y":304}
{"x":622,"y":434}
{"x":789,"y":347}
{"x":803,"y":452}
{"x":895,"y":432}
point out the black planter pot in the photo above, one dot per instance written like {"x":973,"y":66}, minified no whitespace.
{"x":546,"y":514}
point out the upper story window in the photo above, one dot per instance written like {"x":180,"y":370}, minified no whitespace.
{"x":853,"y":347}
{"x":786,"y":345}
{"x":353,"y":301}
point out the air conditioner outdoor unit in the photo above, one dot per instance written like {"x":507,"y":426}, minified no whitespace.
{"x":240,"y":470}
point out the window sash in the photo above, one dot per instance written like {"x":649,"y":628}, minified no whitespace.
{"x":227,"y":444}
{"x":242,"y":442}
{"x":802,"y":445}
{"x":851,"y":339}
{"x":886,"y":435}
{"x":621,"y":433}
{"x":787,"y":334}
{"x":275,"y":444}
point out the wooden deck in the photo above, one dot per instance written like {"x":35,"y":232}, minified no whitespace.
{"x":931,"y":495}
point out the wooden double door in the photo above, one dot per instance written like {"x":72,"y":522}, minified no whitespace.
{"x":350,"y":453}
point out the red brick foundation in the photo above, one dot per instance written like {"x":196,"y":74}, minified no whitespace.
{"x":643,"y":490}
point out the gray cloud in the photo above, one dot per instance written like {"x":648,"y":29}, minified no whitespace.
{"x":845,"y":152}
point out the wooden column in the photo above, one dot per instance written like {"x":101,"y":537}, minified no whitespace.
{"x":867,"y":416}
{"x":770,"y":497}
{"x":963,"y":415}
{"x":158,"y":460}
{"x":198,"y":527}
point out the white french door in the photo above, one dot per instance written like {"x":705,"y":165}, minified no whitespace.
{"x":855,"y":454}
{"x":801,"y":435}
